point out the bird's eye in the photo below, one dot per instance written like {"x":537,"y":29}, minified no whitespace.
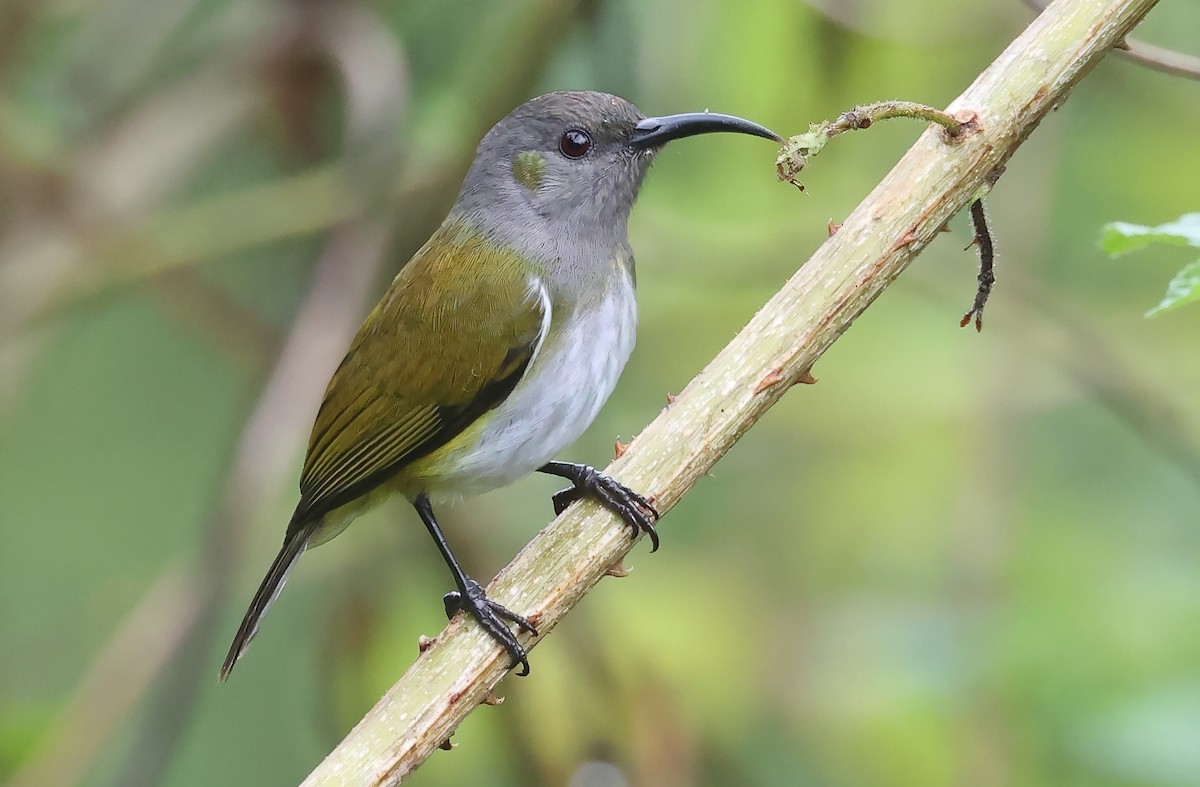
{"x":575,"y":143}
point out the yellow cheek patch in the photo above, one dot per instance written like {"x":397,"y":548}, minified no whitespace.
{"x":527,"y":168}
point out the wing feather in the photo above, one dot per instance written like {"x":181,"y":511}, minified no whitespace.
{"x":428,"y":362}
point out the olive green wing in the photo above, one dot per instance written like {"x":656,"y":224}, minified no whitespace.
{"x":429,"y":361}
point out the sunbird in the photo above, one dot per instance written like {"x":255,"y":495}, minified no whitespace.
{"x":496,"y":344}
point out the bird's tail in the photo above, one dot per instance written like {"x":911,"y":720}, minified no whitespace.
{"x":272,"y":583}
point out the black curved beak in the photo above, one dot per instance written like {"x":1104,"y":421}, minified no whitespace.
{"x":655,"y":132}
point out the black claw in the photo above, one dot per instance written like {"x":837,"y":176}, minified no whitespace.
{"x":564,"y":498}
{"x":637,"y":512}
{"x":491,"y":617}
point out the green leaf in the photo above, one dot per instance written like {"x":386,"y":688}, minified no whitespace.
{"x":1119,"y":237}
{"x":1184,"y":288}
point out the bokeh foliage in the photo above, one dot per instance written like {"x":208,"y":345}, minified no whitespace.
{"x":957,"y":559}
{"x":1119,"y":238}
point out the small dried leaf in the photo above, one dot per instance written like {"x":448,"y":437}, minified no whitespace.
{"x":617,"y":570}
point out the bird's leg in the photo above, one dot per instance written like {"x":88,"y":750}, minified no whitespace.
{"x":471,"y":598}
{"x":635,"y":510}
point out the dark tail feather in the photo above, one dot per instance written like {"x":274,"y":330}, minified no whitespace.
{"x":272,"y":583}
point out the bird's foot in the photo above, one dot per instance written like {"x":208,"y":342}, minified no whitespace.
{"x":635,"y":510}
{"x":491,"y":617}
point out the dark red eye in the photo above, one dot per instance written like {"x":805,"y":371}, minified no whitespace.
{"x":575,"y":143}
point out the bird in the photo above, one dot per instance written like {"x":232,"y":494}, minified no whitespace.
{"x":496,"y":344}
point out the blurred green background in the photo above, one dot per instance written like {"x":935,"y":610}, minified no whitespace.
{"x":958,"y":559}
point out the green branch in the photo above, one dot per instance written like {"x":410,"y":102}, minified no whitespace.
{"x":797,"y":151}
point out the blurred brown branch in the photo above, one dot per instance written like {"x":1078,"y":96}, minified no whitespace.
{"x":1104,"y":371}
{"x":1156,"y":58}
{"x":214,"y":313}
{"x":382,"y":210}
{"x":1077,"y":345}
{"x":934,"y":180}
{"x":143,"y":643}
{"x":180,"y":608}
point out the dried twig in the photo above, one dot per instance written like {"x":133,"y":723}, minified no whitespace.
{"x":987,"y":258}
{"x":797,"y":151}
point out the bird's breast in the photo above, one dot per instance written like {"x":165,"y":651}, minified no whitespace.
{"x":567,"y":382}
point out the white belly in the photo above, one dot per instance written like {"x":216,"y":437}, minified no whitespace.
{"x":568,"y":381}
